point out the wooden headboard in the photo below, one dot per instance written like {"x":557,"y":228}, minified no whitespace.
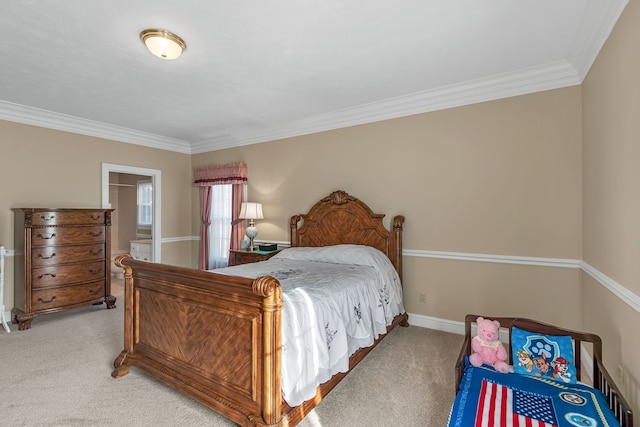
{"x":340,"y":219}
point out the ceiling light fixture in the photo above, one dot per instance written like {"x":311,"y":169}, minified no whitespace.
{"x":162,"y":43}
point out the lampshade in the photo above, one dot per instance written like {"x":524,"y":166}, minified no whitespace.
{"x":251,"y":210}
{"x":162,"y":43}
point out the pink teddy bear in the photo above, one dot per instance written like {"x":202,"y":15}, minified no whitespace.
{"x":487,"y":346}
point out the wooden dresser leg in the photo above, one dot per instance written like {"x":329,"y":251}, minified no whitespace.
{"x":22,"y":319}
{"x":111,"y":301}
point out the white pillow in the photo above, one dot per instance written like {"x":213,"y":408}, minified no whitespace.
{"x":338,"y":254}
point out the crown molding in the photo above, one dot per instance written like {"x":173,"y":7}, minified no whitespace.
{"x":51,"y":120}
{"x":597,"y":23}
{"x":598,"y":14}
{"x":536,"y":79}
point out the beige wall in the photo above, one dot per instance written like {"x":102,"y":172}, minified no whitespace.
{"x":47,"y":168}
{"x":500,"y":177}
{"x":611,"y":193}
{"x":547,"y":175}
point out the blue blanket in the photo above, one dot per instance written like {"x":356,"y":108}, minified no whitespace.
{"x":491,"y":399}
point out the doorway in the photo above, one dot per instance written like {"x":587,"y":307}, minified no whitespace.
{"x":121,"y":179}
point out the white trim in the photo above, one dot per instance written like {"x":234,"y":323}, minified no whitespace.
{"x":503,"y":259}
{"x":555,"y":75}
{"x":443,"y":325}
{"x":179,"y":239}
{"x":620,"y":291}
{"x":531,"y":80}
{"x":156,"y":177}
{"x":587,"y":361}
{"x":521,"y":82}
{"x":616,"y":288}
{"x":591,"y":37}
{"x":51,"y":120}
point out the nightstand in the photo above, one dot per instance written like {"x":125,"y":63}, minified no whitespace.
{"x":244,"y":256}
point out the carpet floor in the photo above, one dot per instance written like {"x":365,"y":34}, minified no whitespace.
{"x":58,"y":373}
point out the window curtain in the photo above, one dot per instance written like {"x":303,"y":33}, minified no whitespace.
{"x":238,"y":226}
{"x":205,"y":213}
{"x":236,"y":174}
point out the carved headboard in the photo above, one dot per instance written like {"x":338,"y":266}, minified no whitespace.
{"x":339,"y":219}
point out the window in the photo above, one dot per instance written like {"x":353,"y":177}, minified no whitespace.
{"x":145,"y":208}
{"x":220,"y":229}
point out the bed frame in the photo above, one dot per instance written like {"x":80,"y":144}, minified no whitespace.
{"x":600,"y":377}
{"x":217,"y":338}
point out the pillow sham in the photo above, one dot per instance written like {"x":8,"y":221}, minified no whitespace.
{"x":338,"y":254}
{"x":545,"y":356}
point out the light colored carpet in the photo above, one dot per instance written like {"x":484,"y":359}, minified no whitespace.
{"x":58,"y":373}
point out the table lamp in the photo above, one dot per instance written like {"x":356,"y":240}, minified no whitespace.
{"x":251,"y":211}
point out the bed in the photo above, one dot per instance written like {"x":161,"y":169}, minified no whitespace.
{"x":544,"y":386}
{"x":218,"y":337}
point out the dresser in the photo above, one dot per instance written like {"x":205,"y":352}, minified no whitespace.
{"x":244,"y":256}
{"x":62,"y":261}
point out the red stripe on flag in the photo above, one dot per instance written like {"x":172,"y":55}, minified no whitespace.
{"x":483,"y":396}
{"x":492,"y":406}
{"x":503,"y":407}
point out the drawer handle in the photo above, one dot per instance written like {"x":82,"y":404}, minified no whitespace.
{"x":94,"y":272}
{"x":95,"y":217}
{"x":47,"y":238}
{"x":47,"y":302}
{"x":96,"y":291}
{"x":46,"y":274}
{"x":46,"y":257}
{"x":94,"y":252}
{"x":94,"y":234}
{"x":47,"y":218}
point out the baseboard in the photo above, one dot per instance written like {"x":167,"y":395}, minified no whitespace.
{"x":458,"y":328}
{"x":7,"y":316}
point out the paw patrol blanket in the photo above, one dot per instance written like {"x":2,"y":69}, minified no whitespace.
{"x":491,"y":399}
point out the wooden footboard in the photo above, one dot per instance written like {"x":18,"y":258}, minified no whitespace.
{"x":213,"y":337}
{"x":601,"y":378}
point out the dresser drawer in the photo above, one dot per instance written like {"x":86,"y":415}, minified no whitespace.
{"x":60,"y":297}
{"x":52,"y":255}
{"x":44,"y":277}
{"x":66,"y":218}
{"x":48,"y":236}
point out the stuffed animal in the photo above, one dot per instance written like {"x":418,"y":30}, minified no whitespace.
{"x":487,"y":347}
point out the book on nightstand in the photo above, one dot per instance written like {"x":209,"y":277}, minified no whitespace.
{"x":268,"y":247}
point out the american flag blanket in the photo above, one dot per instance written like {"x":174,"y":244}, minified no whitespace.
{"x":491,"y":399}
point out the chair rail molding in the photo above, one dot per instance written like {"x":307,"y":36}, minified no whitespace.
{"x":632,"y":299}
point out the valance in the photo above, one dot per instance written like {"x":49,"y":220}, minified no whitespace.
{"x":230,"y":173}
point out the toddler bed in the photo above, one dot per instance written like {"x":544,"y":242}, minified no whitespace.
{"x":545,"y":388}
{"x":219,"y":337}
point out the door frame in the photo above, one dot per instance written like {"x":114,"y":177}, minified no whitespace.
{"x":156,"y":181}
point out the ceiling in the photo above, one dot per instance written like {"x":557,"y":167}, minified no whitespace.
{"x":259,"y":70}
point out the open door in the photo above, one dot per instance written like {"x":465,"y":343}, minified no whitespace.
{"x":132,"y":177}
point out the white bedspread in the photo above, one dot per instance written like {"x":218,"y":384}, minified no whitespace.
{"x":336,"y":299}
